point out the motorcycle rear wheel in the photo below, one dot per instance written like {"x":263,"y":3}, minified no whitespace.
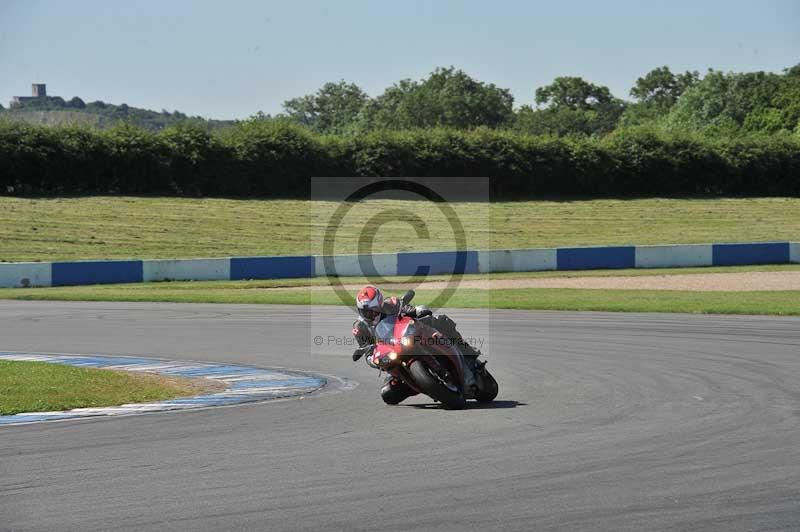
{"x":431,"y":386}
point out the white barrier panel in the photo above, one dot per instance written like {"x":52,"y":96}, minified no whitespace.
{"x":517,"y":260}
{"x":794,"y":252}
{"x":674,"y":256}
{"x":186,"y":270}
{"x":24,"y":274}
{"x":348,"y":265}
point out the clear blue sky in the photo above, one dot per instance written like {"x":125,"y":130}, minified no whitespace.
{"x":231,"y":59}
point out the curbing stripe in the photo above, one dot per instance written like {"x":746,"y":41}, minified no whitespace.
{"x":244,"y":385}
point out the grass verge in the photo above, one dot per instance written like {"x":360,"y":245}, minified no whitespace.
{"x":44,"y":386}
{"x":47,"y":229}
{"x":286,"y":292}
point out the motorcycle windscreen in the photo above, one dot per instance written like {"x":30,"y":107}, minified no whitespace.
{"x":392,"y":328}
{"x":384,"y":332}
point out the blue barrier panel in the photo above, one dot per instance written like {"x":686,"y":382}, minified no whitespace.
{"x":756,"y":253}
{"x":595,"y":258}
{"x":437,"y":262}
{"x":271,"y":267}
{"x":96,"y":272}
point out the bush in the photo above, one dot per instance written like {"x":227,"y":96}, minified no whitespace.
{"x":274,"y":158}
{"x":269,"y":158}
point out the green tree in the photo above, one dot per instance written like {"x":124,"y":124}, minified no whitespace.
{"x":661,"y":88}
{"x":793,"y":71}
{"x":573,"y":93}
{"x":571,"y":106}
{"x":728,"y":104}
{"x":389,"y":110}
{"x":446,"y":98}
{"x":76,"y":103}
{"x":655,"y":94}
{"x":332,"y":109}
{"x":563,"y":122}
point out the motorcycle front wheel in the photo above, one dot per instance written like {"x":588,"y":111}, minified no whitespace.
{"x":488,"y":388}
{"x":430,"y":385}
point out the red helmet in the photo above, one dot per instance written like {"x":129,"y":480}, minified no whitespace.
{"x":369,"y":303}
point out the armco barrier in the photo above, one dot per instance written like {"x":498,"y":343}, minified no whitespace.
{"x":437,"y":262}
{"x":517,"y":260}
{"x":271,"y":267}
{"x":762,"y":253}
{"x":674,"y":256}
{"x":596,"y":258}
{"x":186,"y":270}
{"x":379,"y":264}
{"x":96,"y":272}
{"x":23,"y":274}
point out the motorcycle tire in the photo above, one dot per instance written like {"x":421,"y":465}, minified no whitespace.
{"x":488,"y":389}
{"x":431,"y":386}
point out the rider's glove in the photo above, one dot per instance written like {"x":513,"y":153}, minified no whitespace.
{"x":362,"y":333}
{"x":408,"y":310}
{"x":361,"y":351}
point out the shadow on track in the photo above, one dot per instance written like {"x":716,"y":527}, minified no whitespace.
{"x":474,"y":406}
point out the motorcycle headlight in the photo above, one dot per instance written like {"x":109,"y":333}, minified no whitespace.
{"x":407,"y":341}
{"x":386,"y":359}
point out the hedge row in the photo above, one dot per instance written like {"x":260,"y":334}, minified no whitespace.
{"x":274,"y":159}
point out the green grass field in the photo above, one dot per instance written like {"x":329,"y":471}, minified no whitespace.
{"x":126,"y":227}
{"x":42,"y":387}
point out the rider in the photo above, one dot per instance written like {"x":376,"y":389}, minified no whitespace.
{"x":372,"y":308}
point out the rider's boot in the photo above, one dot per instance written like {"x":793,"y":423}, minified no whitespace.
{"x":470,"y":352}
{"x":395,"y":391}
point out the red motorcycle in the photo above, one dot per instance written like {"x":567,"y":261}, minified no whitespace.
{"x":413,"y":351}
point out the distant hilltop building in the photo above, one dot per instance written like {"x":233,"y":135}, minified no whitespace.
{"x":38,"y":91}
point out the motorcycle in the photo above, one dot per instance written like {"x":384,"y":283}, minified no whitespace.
{"x":413,"y":351}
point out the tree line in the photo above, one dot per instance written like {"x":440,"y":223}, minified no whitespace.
{"x":55,"y":110}
{"x":713,"y":104}
{"x":717,"y":103}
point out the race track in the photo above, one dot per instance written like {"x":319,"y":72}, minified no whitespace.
{"x":604,"y":422}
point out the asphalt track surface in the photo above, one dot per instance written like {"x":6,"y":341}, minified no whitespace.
{"x":604,"y":422}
